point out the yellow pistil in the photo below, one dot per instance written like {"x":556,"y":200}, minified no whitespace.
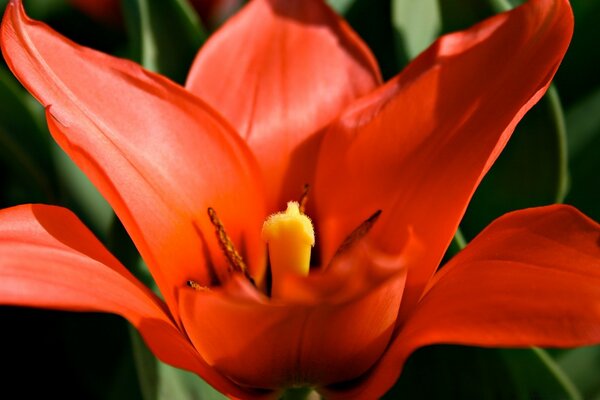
{"x":289,"y":236}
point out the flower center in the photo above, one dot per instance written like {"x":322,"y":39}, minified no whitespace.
{"x":289,"y":236}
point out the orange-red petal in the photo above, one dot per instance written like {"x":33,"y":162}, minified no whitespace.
{"x":280,"y":71}
{"x":274,"y":344}
{"x":532,"y":278}
{"x":418,"y":147}
{"x":49,"y":259}
{"x":158,"y":154}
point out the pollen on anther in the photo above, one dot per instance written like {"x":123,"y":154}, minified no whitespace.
{"x":304,"y":198}
{"x":357,"y":234}
{"x":236,"y":263}
{"x":196,"y":286}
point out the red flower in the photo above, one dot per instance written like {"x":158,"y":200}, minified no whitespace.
{"x":301,"y":102}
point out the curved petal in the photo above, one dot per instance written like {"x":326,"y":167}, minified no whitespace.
{"x":159,"y":155}
{"x":417,"y":148}
{"x":280,"y":71}
{"x":532,"y":278}
{"x":49,"y":259}
{"x":270,"y":344}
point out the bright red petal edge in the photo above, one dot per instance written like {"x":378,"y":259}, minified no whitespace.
{"x":418,"y":147}
{"x":531,"y":278}
{"x":157,"y":153}
{"x":49,"y":259}
{"x":280,"y":71}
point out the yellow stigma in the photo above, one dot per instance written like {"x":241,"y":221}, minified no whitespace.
{"x":289,"y":235}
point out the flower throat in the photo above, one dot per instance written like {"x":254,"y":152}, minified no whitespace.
{"x":289,"y":236}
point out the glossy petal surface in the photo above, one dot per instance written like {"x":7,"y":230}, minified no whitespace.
{"x":417,"y":148}
{"x":280,"y":70}
{"x":531,"y":278}
{"x":159,"y":155}
{"x":314,"y":339}
{"x":49,"y":259}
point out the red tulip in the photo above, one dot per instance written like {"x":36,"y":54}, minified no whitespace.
{"x":391,"y":168}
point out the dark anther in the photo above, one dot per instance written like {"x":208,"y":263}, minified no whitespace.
{"x":304,"y":198}
{"x":196,"y":286}
{"x":357,"y":234}
{"x":236,"y":263}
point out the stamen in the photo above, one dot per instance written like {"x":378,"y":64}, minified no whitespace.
{"x":236,"y":263}
{"x":196,"y":286}
{"x":304,"y":198}
{"x":357,"y":234}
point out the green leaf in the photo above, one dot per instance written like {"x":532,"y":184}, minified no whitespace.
{"x":416,"y":25}
{"x":378,"y":36}
{"x":120,"y":244}
{"x":535,"y":371}
{"x":43,"y":172}
{"x":531,"y":171}
{"x":341,"y":6}
{"x":51,"y":354}
{"x":583,"y":123}
{"x":461,"y":15}
{"x":146,"y":366}
{"x":165,"y":35}
{"x":456,"y":372}
{"x":24,"y":146}
{"x":578,"y":75}
{"x":83,"y":197}
{"x":159,"y":381}
{"x":41,"y":9}
{"x":99,"y":345}
{"x":301,"y":393}
{"x":456,"y":245}
{"x":500,"y":5}
{"x":179,"y":384}
{"x":582,"y":365}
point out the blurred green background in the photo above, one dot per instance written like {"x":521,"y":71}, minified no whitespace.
{"x":554,"y":156}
